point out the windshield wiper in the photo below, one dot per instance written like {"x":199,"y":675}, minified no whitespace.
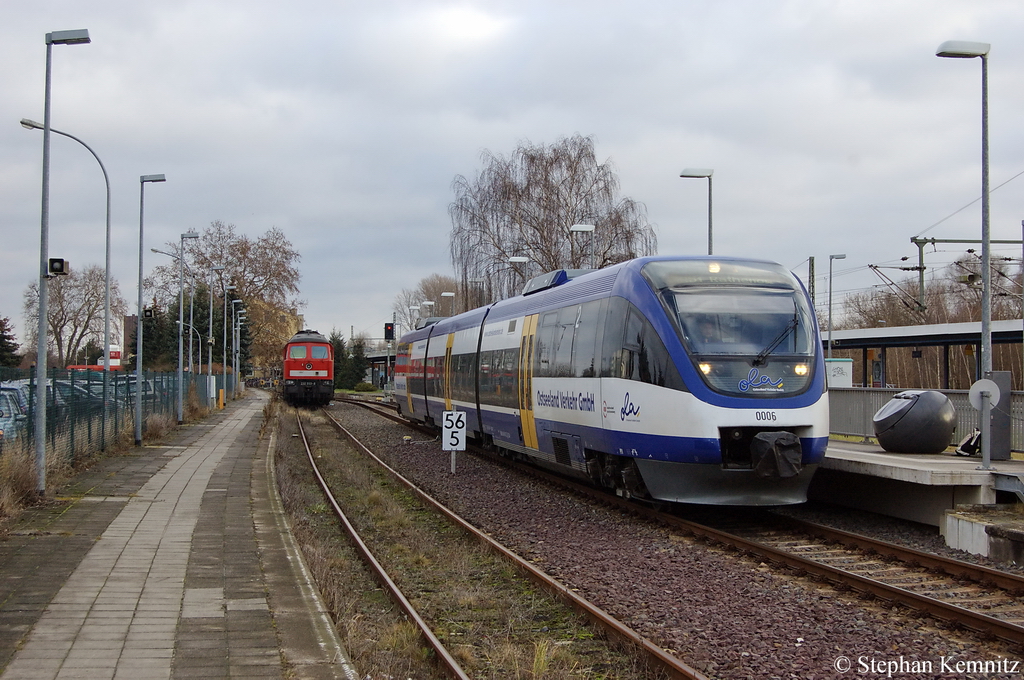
{"x":790,"y":327}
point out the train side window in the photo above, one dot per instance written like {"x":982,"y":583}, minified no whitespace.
{"x":486,"y":383}
{"x":611,"y":347}
{"x":318,"y":352}
{"x":568,"y":318}
{"x":509,"y":384}
{"x":587,"y":339}
{"x":543,"y":353}
{"x":297,"y":352}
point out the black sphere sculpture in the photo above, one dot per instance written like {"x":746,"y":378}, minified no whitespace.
{"x":916,"y":421}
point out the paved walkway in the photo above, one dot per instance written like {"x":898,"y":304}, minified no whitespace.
{"x":171,"y":563}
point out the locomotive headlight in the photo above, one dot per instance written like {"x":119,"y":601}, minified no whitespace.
{"x":714,"y":267}
{"x":801,"y":369}
{"x":705,"y":368}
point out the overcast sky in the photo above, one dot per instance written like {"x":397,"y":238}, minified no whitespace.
{"x":830,"y":125}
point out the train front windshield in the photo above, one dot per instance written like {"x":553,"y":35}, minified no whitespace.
{"x":746,"y":325}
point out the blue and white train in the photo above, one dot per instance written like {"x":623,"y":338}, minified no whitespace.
{"x":685,"y":379}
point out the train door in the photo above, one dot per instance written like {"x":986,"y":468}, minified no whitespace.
{"x":526,"y":346}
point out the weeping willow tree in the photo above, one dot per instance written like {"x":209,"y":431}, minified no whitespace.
{"x":524,"y":205}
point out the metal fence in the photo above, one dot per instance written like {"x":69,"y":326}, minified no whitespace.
{"x":851,"y":411}
{"x":89,"y":410}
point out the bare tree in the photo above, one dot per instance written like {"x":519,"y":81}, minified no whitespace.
{"x":75,"y":310}
{"x":525,"y":205}
{"x":429,"y":290}
{"x":264,"y":272}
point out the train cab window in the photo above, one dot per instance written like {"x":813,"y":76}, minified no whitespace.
{"x":297,"y":352}
{"x":318,"y":352}
{"x":639,"y":353}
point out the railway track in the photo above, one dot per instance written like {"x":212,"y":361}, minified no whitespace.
{"x":653,"y":656}
{"x":985,"y":600}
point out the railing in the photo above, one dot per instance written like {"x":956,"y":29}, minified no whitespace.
{"x":87,"y":411}
{"x":851,"y":411}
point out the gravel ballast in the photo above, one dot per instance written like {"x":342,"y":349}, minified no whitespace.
{"x":723,"y":613}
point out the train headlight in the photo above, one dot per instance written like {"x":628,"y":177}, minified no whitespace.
{"x":801,"y":369}
{"x":705,"y":368}
{"x":714,"y":267}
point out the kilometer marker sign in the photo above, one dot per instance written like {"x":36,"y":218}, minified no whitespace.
{"x":453,"y":433}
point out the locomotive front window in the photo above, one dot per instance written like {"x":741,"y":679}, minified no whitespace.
{"x":318,"y":352}
{"x":747,"y":341}
{"x":297,"y":352}
{"x":743,"y":321}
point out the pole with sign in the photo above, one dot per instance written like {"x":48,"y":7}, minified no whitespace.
{"x":453,"y":433}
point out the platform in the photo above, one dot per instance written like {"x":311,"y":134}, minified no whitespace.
{"x":174,"y":561}
{"x":926,"y":488}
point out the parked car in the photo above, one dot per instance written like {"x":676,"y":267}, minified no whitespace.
{"x":12,"y":421}
{"x":18,"y":395}
{"x":55,"y":402}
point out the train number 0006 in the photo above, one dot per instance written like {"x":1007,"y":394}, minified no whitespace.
{"x":764,"y":415}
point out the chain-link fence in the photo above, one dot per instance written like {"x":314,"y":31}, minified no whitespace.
{"x":90,"y":410}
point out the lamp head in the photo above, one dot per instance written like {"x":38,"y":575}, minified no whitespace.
{"x":962,"y":49}
{"x":697,"y":172}
{"x":76,"y":37}
{"x":190,"y":234}
{"x":152,"y":178}
{"x":581,"y":227}
{"x":31,"y":124}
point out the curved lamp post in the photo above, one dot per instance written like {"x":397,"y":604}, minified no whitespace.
{"x":32,"y":125}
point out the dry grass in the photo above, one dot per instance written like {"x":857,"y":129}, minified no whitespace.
{"x":17,"y":481}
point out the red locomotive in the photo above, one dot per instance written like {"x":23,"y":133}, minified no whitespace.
{"x":308,"y":370}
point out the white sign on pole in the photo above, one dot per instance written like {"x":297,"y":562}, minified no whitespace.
{"x":453,"y":433}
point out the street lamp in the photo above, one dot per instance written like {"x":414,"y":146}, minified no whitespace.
{"x":224,"y":345}
{"x":181,"y":322}
{"x":830,"y":258}
{"x":451,"y":303}
{"x":414,"y":315}
{"x":138,"y":326}
{"x":959,"y":49}
{"x":236,"y":340}
{"x":703,"y":172}
{"x":32,"y":125}
{"x":210,"y":385}
{"x":75,"y":37}
{"x":583,"y":228}
{"x":429,"y":304}
{"x":191,"y":306}
{"x":234,"y":355}
{"x":516,"y":260}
